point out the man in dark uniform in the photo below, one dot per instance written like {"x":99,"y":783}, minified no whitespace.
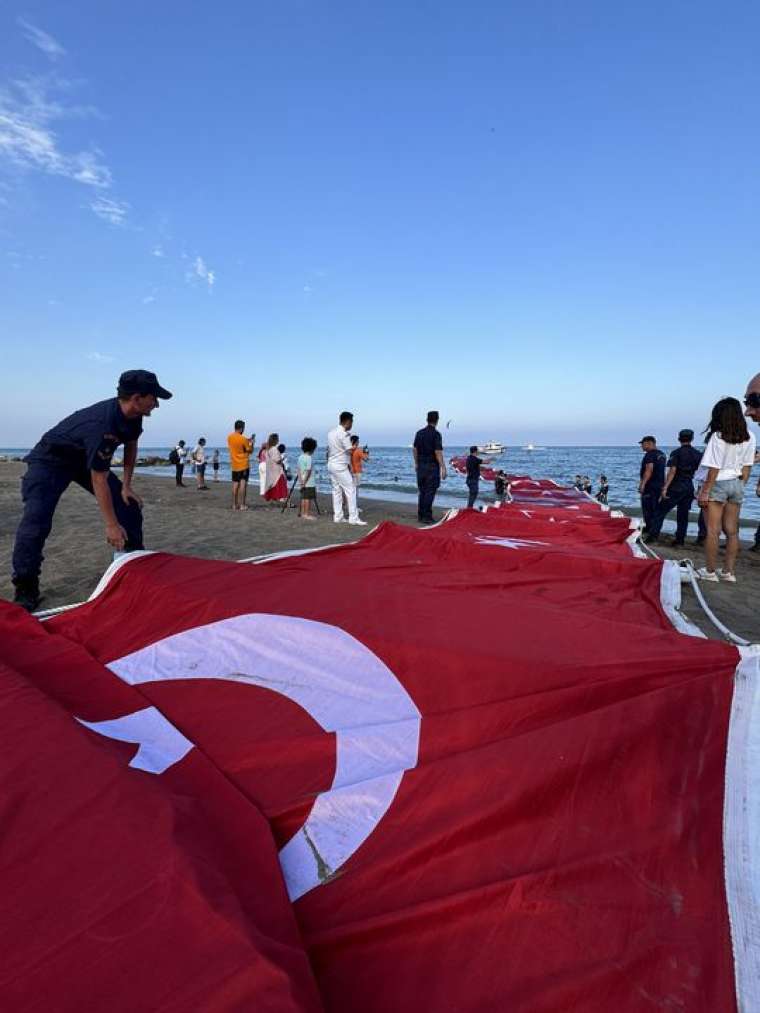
{"x":651,"y":478}
{"x":79,"y":449}
{"x":678,"y":490}
{"x":429,"y":465}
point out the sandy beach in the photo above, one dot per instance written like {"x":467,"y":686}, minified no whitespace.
{"x":188,"y":522}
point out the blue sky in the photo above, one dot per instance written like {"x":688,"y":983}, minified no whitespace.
{"x":540,"y":217}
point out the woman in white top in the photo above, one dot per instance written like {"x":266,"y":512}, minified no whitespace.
{"x":721,"y":477}
{"x":276,"y":483}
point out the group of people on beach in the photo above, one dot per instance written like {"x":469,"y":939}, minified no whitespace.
{"x":80,"y":449}
{"x":716,"y":477}
{"x":345,"y":462}
{"x":180,"y":456}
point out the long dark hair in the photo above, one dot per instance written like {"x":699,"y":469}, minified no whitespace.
{"x":727,"y":420}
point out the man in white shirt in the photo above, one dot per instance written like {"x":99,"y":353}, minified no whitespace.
{"x":339,"y":470}
{"x":199,"y":460}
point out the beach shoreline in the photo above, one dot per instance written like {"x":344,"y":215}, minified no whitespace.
{"x":188,"y":522}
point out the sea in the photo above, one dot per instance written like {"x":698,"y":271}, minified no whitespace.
{"x":389,"y":472}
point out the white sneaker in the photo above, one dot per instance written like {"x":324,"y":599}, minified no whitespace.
{"x":339,"y":520}
{"x":705,"y":574}
{"x":730,"y":578}
{"x":362,"y":524}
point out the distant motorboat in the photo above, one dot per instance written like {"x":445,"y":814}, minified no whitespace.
{"x":530,"y":446}
{"x":492,"y":447}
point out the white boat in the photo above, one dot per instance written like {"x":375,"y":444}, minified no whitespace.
{"x":530,"y":446}
{"x":492,"y":447}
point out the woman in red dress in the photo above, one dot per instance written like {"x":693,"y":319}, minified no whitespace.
{"x":276,"y":484}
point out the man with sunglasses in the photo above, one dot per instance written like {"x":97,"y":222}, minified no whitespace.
{"x":752,"y":411}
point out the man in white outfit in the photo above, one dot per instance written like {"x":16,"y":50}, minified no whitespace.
{"x":339,"y":469}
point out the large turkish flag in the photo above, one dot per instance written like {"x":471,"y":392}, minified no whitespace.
{"x":494,"y":772}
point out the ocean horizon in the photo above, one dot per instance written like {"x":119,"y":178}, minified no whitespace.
{"x":389,"y":473}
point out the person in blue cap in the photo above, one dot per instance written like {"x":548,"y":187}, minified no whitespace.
{"x":79,"y":449}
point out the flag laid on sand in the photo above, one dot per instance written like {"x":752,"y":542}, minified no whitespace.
{"x":486,"y":793}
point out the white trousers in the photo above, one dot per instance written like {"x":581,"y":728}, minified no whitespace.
{"x":343,"y":485}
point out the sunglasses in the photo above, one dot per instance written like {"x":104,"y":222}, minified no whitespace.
{"x":752,"y":400}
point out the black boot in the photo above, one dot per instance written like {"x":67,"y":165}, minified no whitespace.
{"x":27,"y":592}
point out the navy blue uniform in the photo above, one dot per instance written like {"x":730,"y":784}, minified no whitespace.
{"x":473,"y":479}
{"x":426,"y":442}
{"x":685,"y":459}
{"x":650,"y":495}
{"x":81,"y":443}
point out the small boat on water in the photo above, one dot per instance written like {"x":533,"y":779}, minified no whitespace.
{"x":492,"y":447}
{"x":530,"y":446}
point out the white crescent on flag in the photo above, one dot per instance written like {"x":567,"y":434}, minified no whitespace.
{"x":342,"y":684}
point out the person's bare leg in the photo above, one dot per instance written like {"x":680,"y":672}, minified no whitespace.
{"x":243,"y":491}
{"x":235,"y":489}
{"x":731,"y":531}
{"x":713,"y":519}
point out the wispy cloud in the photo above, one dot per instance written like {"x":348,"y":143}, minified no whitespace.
{"x":42,"y":40}
{"x":201,"y":272}
{"x":28,"y":111}
{"x":308,"y":289}
{"x":99,"y":357}
{"x":113,"y":211}
{"x":158,"y":251}
{"x":148,"y":299}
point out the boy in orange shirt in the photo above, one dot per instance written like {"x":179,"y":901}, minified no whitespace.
{"x":358,"y":456}
{"x":240,"y":448}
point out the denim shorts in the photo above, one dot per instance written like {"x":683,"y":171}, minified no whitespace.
{"x":726,"y":490}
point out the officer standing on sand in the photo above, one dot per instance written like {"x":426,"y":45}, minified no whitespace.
{"x":678,"y":490}
{"x":79,"y":449}
{"x":429,"y":465}
{"x":651,"y":478}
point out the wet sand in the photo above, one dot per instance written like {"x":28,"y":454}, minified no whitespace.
{"x":189,"y":522}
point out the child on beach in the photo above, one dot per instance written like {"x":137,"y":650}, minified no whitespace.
{"x":286,"y":466}
{"x":306,"y":482}
{"x":215,"y":464}
{"x":721,"y":477}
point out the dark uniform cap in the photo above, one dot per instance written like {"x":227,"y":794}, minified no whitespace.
{"x":645,"y":438}
{"x":686,"y":434}
{"x":141,"y":381}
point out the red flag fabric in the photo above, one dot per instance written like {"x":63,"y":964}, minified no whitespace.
{"x":494,"y":772}
{"x":146,"y":887}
